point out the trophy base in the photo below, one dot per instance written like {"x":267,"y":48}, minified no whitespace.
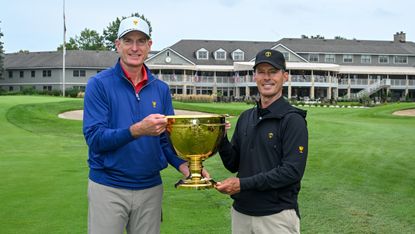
{"x":189,"y":184}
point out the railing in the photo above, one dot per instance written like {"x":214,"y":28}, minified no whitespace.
{"x":300,"y":78}
{"x":365,"y":84}
{"x":372,"y":88}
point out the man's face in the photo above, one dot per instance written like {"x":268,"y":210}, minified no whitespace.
{"x":269,"y":80}
{"x":133,"y":48}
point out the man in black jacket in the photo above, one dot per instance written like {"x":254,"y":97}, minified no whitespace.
{"x":268,"y":151}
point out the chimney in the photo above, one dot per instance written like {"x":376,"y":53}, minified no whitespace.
{"x":399,"y":37}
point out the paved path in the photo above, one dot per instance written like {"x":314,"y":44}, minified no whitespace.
{"x":77,"y":114}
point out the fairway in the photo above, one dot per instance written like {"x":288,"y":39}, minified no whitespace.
{"x":360,"y":175}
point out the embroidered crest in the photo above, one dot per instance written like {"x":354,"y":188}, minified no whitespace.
{"x":301,"y":149}
{"x":270,"y":135}
{"x":135,"y":22}
{"x":154,"y":104}
{"x":268,"y":54}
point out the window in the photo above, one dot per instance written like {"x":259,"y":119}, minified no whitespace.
{"x":313,"y":57}
{"x":78,"y":73}
{"x":202,"y":54}
{"x":400,"y":59}
{"x":383,"y":59}
{"x":32,"y":73}
{"x":168,"y":53}
{"x":47,"y":88}
{"x":21,"y":74}
{"x":10,"y":74}
{"x":238,"y":55}
{"x":329,"y":58}
{"x":286,"y":56}
{"x":366,"y":59}
{"x":220,"y":54}
{"x":347,"y":58}
{"x":47,"y":73}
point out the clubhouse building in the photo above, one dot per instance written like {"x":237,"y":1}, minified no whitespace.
{"x":318,"y":68}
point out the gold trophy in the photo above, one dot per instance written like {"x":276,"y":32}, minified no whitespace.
{"x":195,"y":138}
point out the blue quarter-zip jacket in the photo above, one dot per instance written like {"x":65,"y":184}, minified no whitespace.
{"x":111,"y":106}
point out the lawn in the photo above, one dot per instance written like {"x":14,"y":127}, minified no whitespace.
{"x":360,"y":176}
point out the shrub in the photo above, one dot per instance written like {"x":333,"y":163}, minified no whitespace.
{"x":194,"y":98}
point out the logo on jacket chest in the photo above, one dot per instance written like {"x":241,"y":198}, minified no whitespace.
{"x":154,"y":104}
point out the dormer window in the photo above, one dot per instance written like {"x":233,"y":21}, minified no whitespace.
{"x":238,"y":55}
{"x":220,"y":54}
{"x":202,"y":54}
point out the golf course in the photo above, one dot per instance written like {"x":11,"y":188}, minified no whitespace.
{"x":360,"y":174}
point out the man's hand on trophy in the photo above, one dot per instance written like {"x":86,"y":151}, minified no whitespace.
{"x":184,"y":169}
{"x":152,"y":125}
{"x":205,"y":174}
{"x":227,"y":125}
{"x":229,"y":186}
{"x":170,"y":122}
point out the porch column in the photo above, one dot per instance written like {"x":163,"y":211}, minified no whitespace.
{"x":289,"y":84}
{"x":184,"y":89}
{"x":312,"y":86}
{"x":184,"y":81}
{"x":349,"y":84}
{"x":406,"y":86}
{"x":215,"y":85}
{"x":329,"y":88}
{"x":237,"y":92}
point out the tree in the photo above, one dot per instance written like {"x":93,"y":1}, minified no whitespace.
{"x":317,"y":37}
{"x":339,"y":38}
{"x":71,"y":45}
{"x":90,"y":40}
{"x":111,"y":32}
{"x":1,"y":56}
{"x":312,"y":37}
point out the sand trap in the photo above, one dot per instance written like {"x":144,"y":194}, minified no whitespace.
{"x":409,"y":112}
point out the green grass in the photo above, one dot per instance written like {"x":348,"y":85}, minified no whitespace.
{"x":360,"y":176}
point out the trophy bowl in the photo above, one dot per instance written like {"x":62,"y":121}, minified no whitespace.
{"x":195,"y":138}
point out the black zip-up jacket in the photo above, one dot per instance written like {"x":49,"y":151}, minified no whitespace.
{"x":269,"y":151}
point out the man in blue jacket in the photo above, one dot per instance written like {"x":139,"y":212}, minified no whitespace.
{"x":124,"y":127}
{"x":268,"y":150}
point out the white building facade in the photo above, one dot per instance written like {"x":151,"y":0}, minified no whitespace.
{"x":318,"y":68}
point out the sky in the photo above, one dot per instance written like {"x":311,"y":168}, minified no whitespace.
{"x":38,"y":25}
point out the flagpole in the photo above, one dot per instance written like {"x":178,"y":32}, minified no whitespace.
{"x":64,"y":51}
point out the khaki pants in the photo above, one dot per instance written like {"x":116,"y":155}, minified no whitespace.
{"x":286,"y":221}
{"x":113,"y":210}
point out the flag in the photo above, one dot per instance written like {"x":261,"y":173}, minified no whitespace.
{"x":174,"y":76}
{"x":196,"y":78}
{"x":64,"y":24}
{"x":237,"y":78}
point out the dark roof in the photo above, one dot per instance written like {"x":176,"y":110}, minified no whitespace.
{"x":188,"y":48}
{"x":348,"y":46}
{"x":53,"y":59}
